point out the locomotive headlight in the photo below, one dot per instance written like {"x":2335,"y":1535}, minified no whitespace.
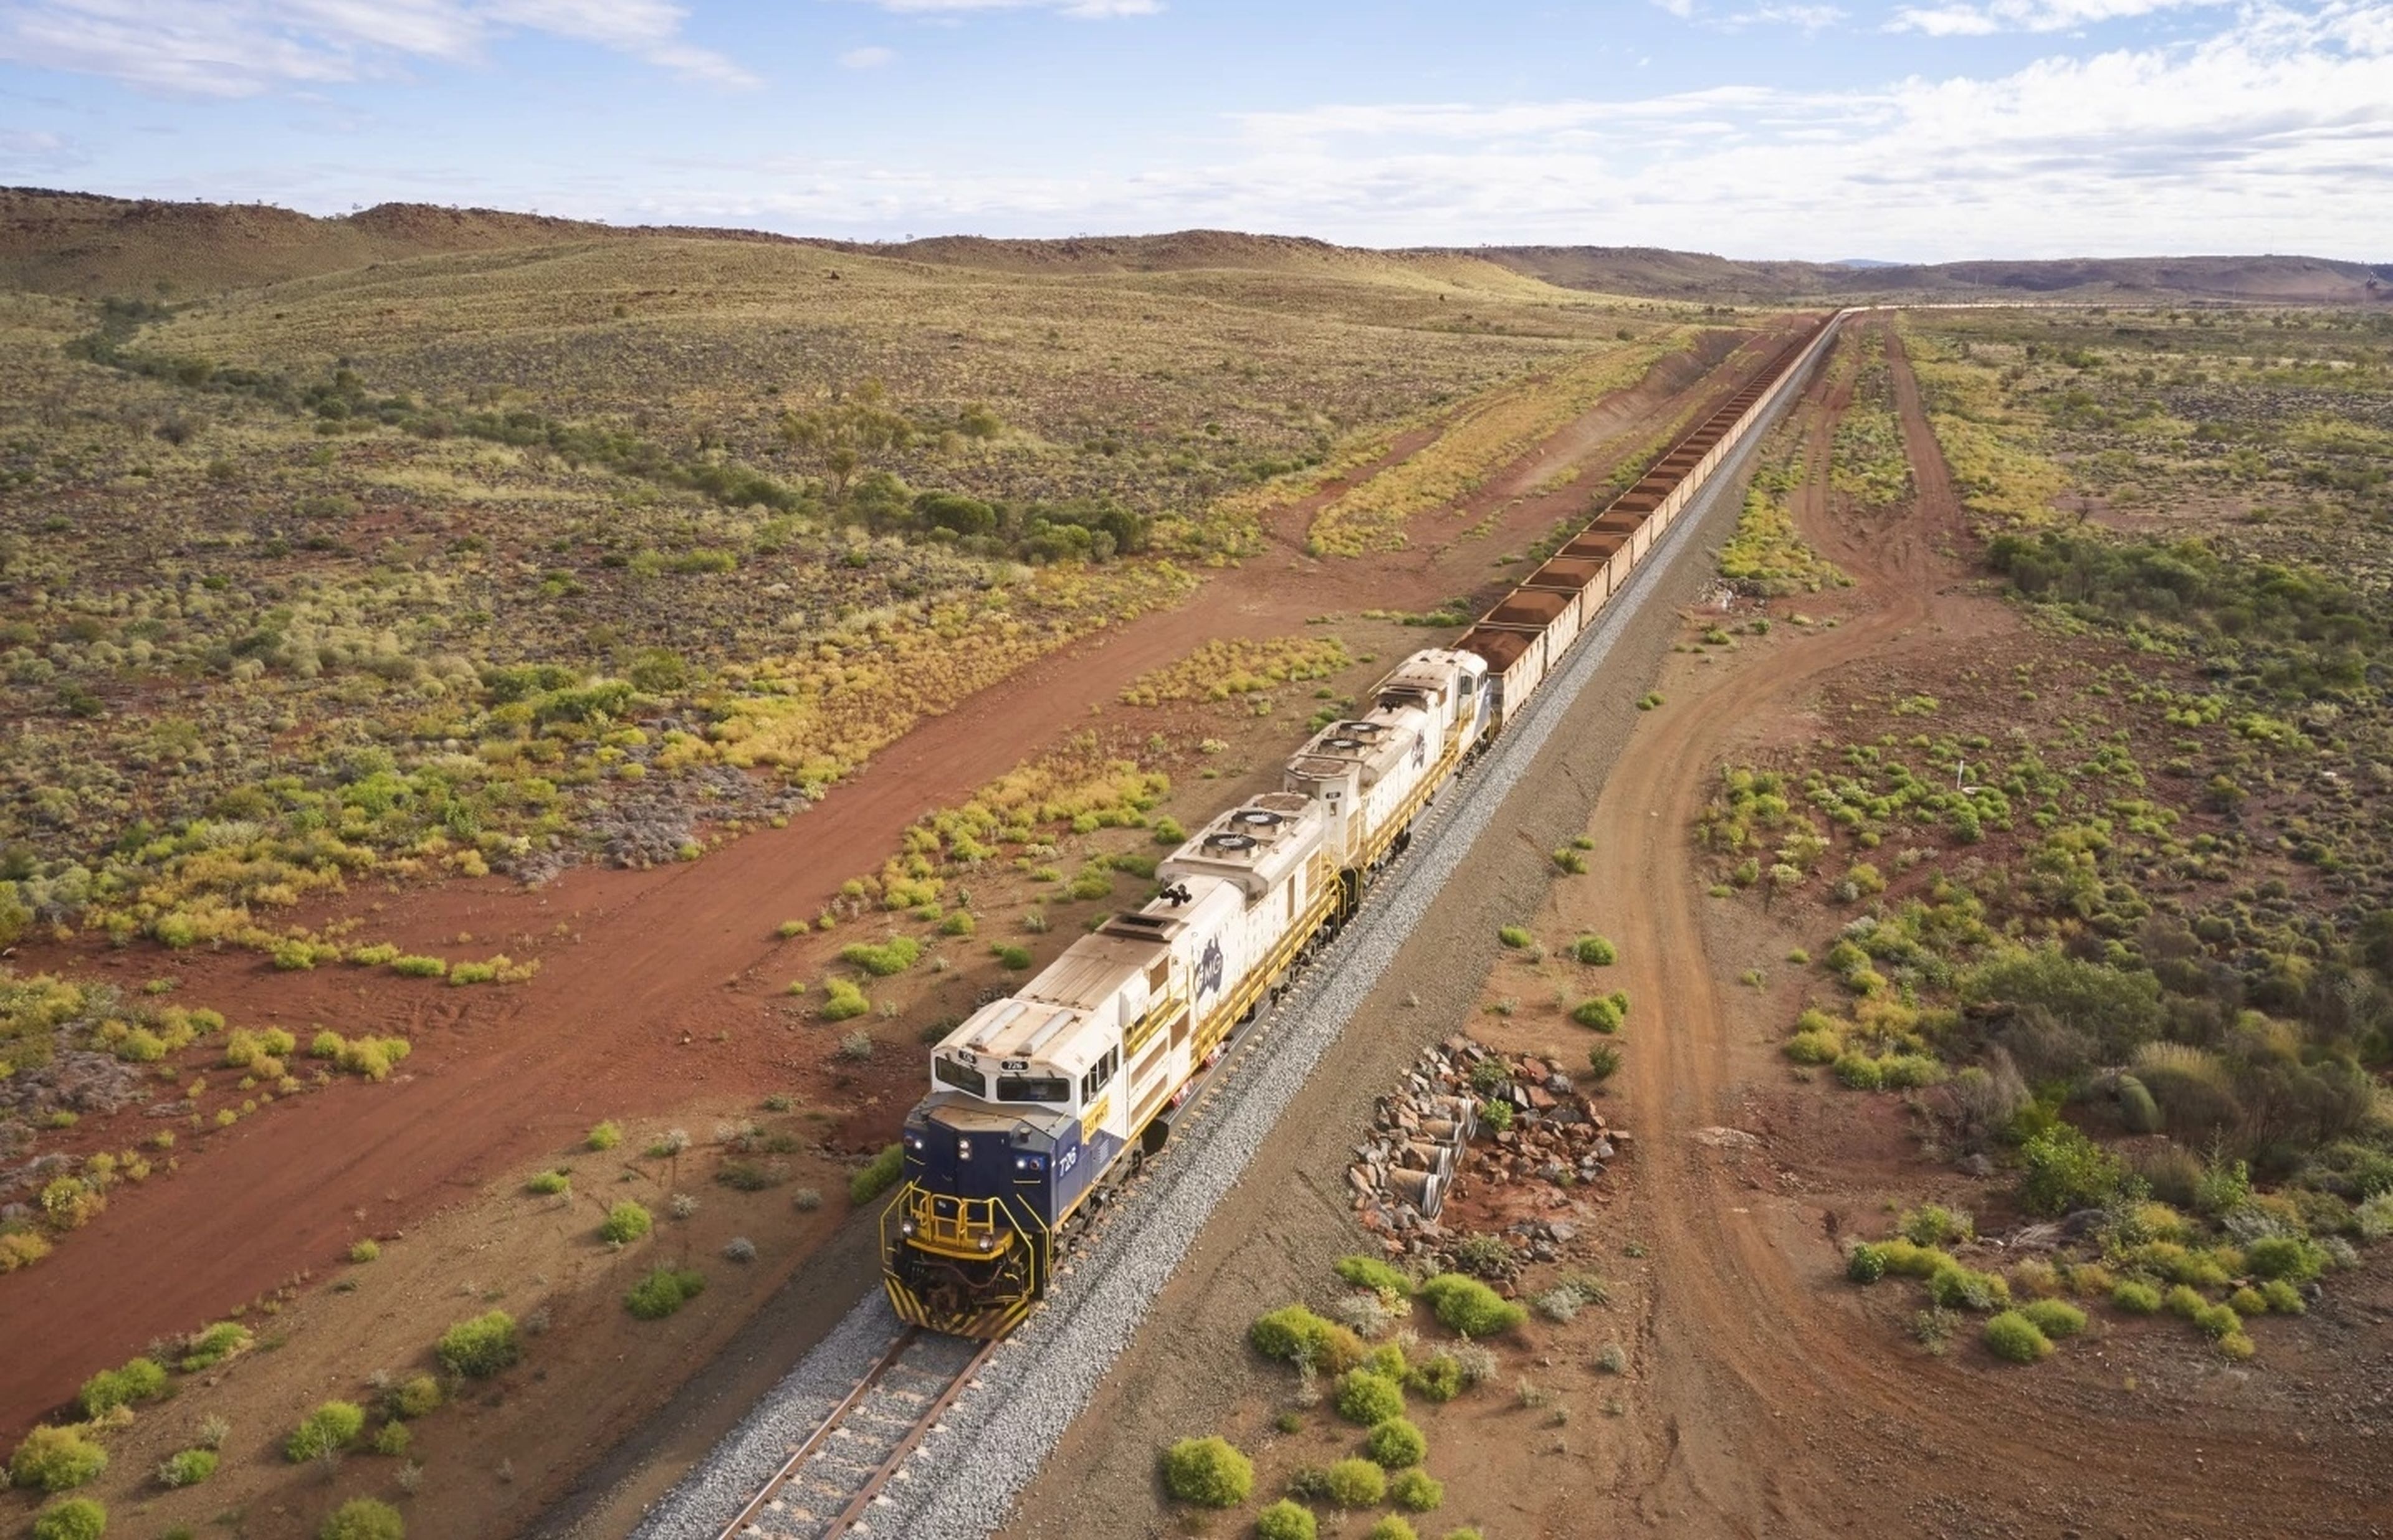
{"x":988,"y":1243}
{"x":906,"y":1227}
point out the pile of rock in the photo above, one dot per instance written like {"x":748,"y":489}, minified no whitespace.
{"x":1421,"y":1138}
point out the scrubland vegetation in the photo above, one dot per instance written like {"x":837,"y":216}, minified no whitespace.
{"x":2117,"y":914}
{"x":1365,"y":1364}
{"x":1483,"y":439}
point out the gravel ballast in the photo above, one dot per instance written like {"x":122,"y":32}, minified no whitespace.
{"x":994,"y":1440}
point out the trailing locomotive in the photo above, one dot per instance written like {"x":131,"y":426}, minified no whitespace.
{"x":1040,"y":1100}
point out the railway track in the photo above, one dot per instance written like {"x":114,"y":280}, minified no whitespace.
{"x":828,"y":1484}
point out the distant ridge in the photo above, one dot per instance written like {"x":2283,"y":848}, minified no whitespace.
{"x":86,"y":244}
{"x":1694,"y":276}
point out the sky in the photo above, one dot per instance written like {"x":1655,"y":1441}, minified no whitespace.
{"x":1923,"y":132}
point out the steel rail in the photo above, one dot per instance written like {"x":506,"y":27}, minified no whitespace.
{"x":821,"y":1435}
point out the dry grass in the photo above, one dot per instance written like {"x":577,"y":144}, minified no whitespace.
{"x":1478,"y":441}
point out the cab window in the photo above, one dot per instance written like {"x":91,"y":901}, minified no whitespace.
{"x":962,"y":1077}
{"x":1033,"y":1087}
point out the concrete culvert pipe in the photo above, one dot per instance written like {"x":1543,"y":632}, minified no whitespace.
{"x":1424,"y":1190}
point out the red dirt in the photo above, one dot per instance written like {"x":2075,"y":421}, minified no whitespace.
{"x":653,"y":988}
{"x":1774,"y":1414}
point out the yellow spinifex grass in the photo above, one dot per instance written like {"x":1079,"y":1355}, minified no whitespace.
{"x":1240,"y":666}
{"x":1767,"y":556}
{"x":1481,"y":440}
{"x":1996,"y":454}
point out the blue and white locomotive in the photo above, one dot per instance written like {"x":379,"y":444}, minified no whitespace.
{"x":1040,"y":1100}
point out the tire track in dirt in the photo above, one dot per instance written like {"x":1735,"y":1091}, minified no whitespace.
{"x":1771,"y":1418}
{"x":619,"y":1022}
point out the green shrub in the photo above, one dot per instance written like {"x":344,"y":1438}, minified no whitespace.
{"x":1372,"y":1273}
{"x":2284,"y":1258}
{"x":1367,"y":1398}
{"x":481,"y":1347}
{"x":2056,"y":1318}
{"x":2217,"y":1321}
{"x":1169,"y":832}
{"x":664,"y":1291}
{"x":1933,"y":1224}
{"x":1815,"y":1047}
{"x":363,"y":1518}
{"x":1907,"y":1260}
{"x":959,"y":924}
{"x":77,"y":1518}
{"x":606,"y":1136}
{"x":1415,"y":1490}
{"x":55,"y":1460}
{"x":418,"y":967}
{"x":1596,"y":951}
{"x":2065,"y":1170}
{"x":1012,"y":956}
{"x":1355,"y":1483}
{"x":1517,"y":937}
{"x":1957,"y":1287}
{"x":416,"y":1396}
{"x":2012,"y":1335}
{"x":365,"y":1251}
{"x":1396,"y":1443}
{"x":2248,"y":1301}
{"x":549,"y":1184}
{"x":1599,"y":1015}
{"x":893,"y":957}
{"x":1866,"y":1263}
{"x":212,"y":1347}
{"x":328,"y":1429}
{"x":2137,"y":1109}
{"x":843,"y":1000}
{"x":391,"y":1440}
{"x":2281,"y":1298}
{"x":1468,"y":1306}
{"x":1602,"y":1062}
{"x":188,"y":1468}
{"x":2184,"y":1300}
{"x":1497,"y":1115}
{"x":626,"y":1221}
{"x":877,"y":1175}
{"x":1858,"y":1071}
{"x":1285,"y":1520}
{"x":1437,"y":1377}
{"x":1209,"y":1472}
{"x":142,"y":1379}
{"x":1291,"y":1333}
{"x":1391,"y":1528}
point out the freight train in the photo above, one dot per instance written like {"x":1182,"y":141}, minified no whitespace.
{"x":1041,"y":1102}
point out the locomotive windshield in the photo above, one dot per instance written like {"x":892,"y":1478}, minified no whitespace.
{"x":962,"y":1077}
{"x":1033,"y":1087}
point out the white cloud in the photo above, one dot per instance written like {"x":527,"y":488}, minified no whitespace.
{"x":245,"y":48}
{"x":2275,"y":134}
{"x":2027,"y":16}
{"x":33,"y":149}
{"x":1085,"y":10}
{"x":866,"y":59}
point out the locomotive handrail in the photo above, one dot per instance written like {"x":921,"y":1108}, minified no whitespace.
{"x":973,"y":1229}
